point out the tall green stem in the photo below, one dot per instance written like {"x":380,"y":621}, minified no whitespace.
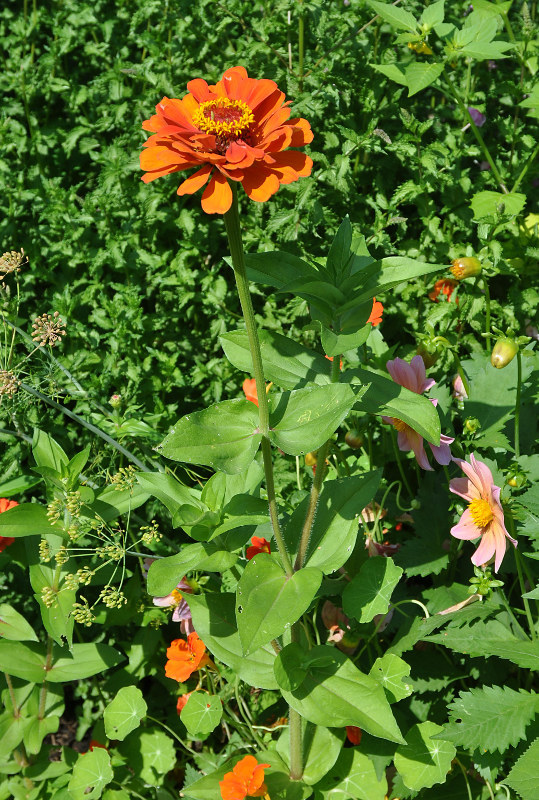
{"x":487,"y":311}
{"x":233,"y":229}
{"x":517,"y":405}
{"x":301,"y":45}
{"x":527,"y":609}
{"x":399,"y":464}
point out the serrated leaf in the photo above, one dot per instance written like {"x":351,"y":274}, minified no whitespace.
{"x":493,"y":717}
{"x":524,"y":777}
{"x":474,"y":641}
{"x":124,"y":713}
{"x":424,"y":761}
{"x":419,"y":76}
{"x":391,"y":672}
{"x":492,"y":206}
{"x":369,"y":592}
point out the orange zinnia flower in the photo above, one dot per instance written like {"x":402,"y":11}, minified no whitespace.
{"x":245,"y":780}
{"x":445,"y":286}
{"x":5,"y":505}
{"x":237,"y":129}
{"x":185,"y":657}
{"x":258,"y":545}
{"x":375,"y":317}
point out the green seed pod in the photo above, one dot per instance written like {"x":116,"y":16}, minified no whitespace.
{"x":503,"y":352}
{"x":354,"y":439}
{"x":465,"y":267}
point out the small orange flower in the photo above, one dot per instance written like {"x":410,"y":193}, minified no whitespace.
{"x":93,"y":744}
{"x":375,"y":317}
{"x":236,"y":130}
{"x":445,"y":286}
{"x":185,"y":657}
{"x":258,"y":545}
{"x":353,"y":734}
{"x":5,"y":505}
{"x":249,"y":389}
{"x":245,"y":780}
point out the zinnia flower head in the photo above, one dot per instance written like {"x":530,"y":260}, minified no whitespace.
{"x":413,"y":376}
{"x":236,"y":130}
{"x":5,"y":505}
{"x":185,"y":657}
{"x":484,"y":515}
{"x":258,"y":545}
{"x":245,"y":780}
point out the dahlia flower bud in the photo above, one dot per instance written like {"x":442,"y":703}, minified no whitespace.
{"x":354,"y":439}
{"x":503,"y":352}
{"x":115,"y":401}
{"x":465,"y":267}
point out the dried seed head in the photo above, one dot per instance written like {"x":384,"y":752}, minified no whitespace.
{"x":9,"y":383}
{"x":48,"y":329}
{"x":10,"y":262}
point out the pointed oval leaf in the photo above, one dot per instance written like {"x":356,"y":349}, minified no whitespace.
{"x":82,"y":661}
{"x":26,"y":661}
{"x":166,"y":573}
{"x":14,"y":626}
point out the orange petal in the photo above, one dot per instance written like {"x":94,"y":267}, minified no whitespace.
{"x":196,"y":181}
{"x":199,"y":89}
{"x":269,"y":106}
{"x":260,"y":91}
{"x":217,"y":197}
{"x":299,"y":162}
{"x":231,"y":788}
{"x":301,"y":134}
{"x":260,"y":184}
{"x":275,"y":120}
{"x":160,"y":157}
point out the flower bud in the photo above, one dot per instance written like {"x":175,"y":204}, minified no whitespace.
{"x":115,"y":400}
{"x":465,"y":267}
{"x":354,"y":439}
{"x":310,"y":459}
{"x":428,"y":352}
{"x":503,"y":352}
{"x":471,"y":424}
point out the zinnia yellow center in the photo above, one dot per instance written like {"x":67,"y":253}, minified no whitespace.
{"x":481,"y":513}
{"x":399,"y":424}
{"x":223,"y":117}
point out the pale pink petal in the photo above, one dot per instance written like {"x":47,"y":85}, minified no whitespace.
{"x":416,"y":443}
{"x":486,"y":549}
{"x":442,"y":452}
{"x":169,"y":600}
{"x":403,"y":440}
{"x":389,"y":420}
{"x":484,"y":474}
{"x":464,"y":488}
{"x":465,"y":527}
{"x":501,"y":544}
{"x":422,"y":383}
{"x":471,"y":474}
{"x":402,"y":373}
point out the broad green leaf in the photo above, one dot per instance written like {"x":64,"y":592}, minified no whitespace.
{"x":150,"y":753}
{"x":11,"y":731}
{"x":524,"y":777}
{"x":26,"y":661}
{"x":268,"y":601}
{"x":336,"y":522}
{"x":335,"y":344}
{"x":387,"y":398}
{"x":494,"y":716}
{"x":369,"y":592}
{"x":353,"y":777}
{"x":419,"y":76}
{"x":424,"y":761}
{"x":287,"y":363}
{"x":57,"y":618}
{"x":166,"y":573}
{"x":301,"y":421}
{"x":392,"y":672}
{"x":36,"y":729}
{"x":17,"y":486}
{"x":433,"y":15}
{"x":223,"y":436}
{"x":14,"y":626}
{"x":26,"y":519}
{"x":391,"y":71}
{"x":278,"y":268}
{"x":82,"y":661}
{"x":91,"y":773}
{"x":321,"y":748}
{"x":397,"y":17}
{"x":124,"y":713}
{"x":493,"y":206}
{"x":111,"y":503}
{"x":290,"y":667}
{"x":47,"y":452}
{"x":339,"y":255}
{"x":475,"y":641}
{"x":166,"y":488}
{"x":214,"y":618}
{"x":335,"y":694}
{"x":202,"y":713}
{"x":380,"y":276}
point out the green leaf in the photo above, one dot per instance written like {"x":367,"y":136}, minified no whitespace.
{"x":493,"y":206}
{"x":433,"y":15}
{"x":57,"y":618}
{"x":268,"y":601}
{"x":202,"y":713}
{"x":524,"y":777}
{"x":321,"y":748}
{"x":353,"y":777}
{"x":36,"y":729}
{"x":166,"y":573}
{"x":223,"y":436}
{"x":82,"y":661}
{"x":26,"y":519}
{"x":17,"y":486}
{"x":291,"y":668}
{"x":419,"y":76}
{"x":339,"y":255}
{"x":91,"y":773}
{"x":278,"y":268}
{"x":26,"y":661}
{"x":385,"y":397}
{"x":397,"y":17}
{"x":335,"y":526}
{"x":424,"y":761}
{"x":369,"y":592}
{"x":335,"y":344}
{"x":391,"y":71}
{"x":494,"y":716}
{"x":391,"y":671}
{"x":335,"y":694}
{"x":150,"y":754}
{"x":214,"y":618}
{"x":166,"y":488}
{"x":11,"y":731}
{"x":14,"y":626}
{"x":124,"y":713}
{"x":475,"y":641}
{"x":301,"y":421}
{"x":287,"y":364}
{"x":47,"y":452}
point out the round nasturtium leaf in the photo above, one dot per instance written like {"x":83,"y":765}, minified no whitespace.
{"x":202,"y":713}
{"x":124,"y":713}
{"x":91,"y":774}
{"x":150,"y":753}
{"x":424,"y":761}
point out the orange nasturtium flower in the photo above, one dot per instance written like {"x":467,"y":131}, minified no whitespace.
{"x":245,"y":780}
{"x":258,"y":545}
{"x":249,"y":390}
{"x":236,"y":130}
{"x":376,"y":313}
{"x":185,"y":657}
{"x":5,"y":505}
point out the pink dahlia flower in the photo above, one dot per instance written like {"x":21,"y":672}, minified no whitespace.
{"x":484,"y":515}
{"x":182,"y":612}
{"x":413,"y":376}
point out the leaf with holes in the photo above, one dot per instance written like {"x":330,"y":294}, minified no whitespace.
{"x":391,"y":671}
{"x":91,"y":774}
